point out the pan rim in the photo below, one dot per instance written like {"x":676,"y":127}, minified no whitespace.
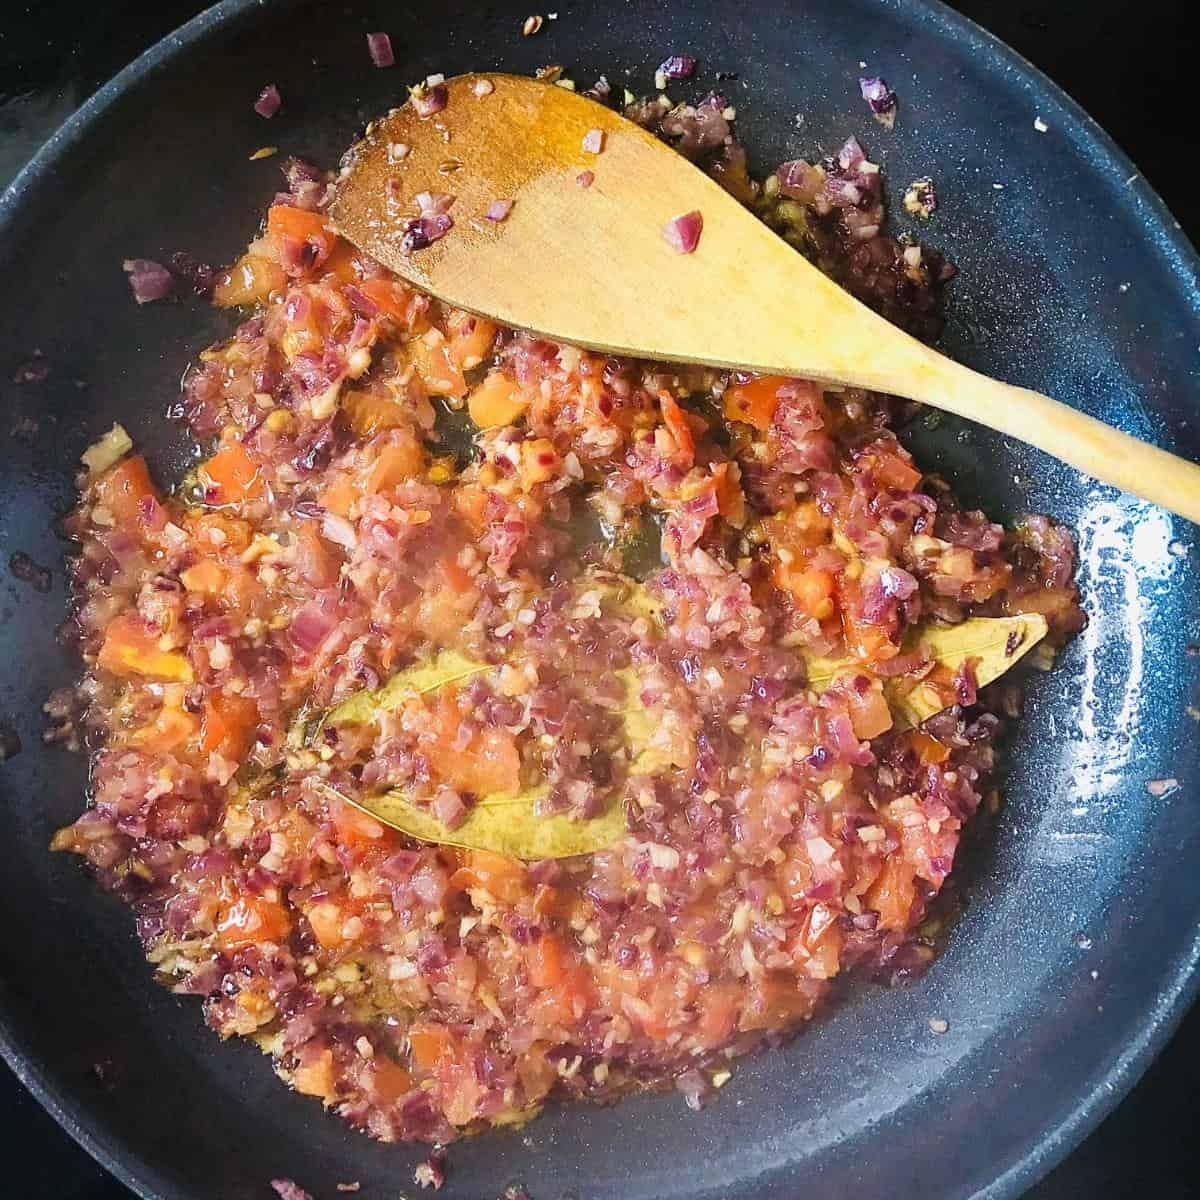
{"x":1179,"y":986}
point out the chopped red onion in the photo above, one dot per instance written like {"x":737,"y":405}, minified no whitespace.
{"x":380,"y":46}
{"x":449,"y":808}
{"x":921,"y":199}
{"x":593,"y":141}
{"x":311,"y":626}
{"x":1161,"y":787}
{"x":424,"y":231}
{"x":400,"y":865}
{"x":600,"y":90}
{"x":268,"y":102}
{"x":498,"y":210}
{"x":694,"y":1087}
{"x":843,"y":192}
{"x":430,"y":204}
{"x":428,"y":100}
{"x":431,"y":1171}
{"x":287,"y":1189}
{"x":585,"y":179}
{"x":339,"y":530}
{"x":799,"y":180}
{"x":880,"y":98}
{"x":33,"y":371}
{"x":678,"y":66}
{"x":851,"y":155}
{"x":682,"y":234}
{"x":148,"y":280}
{"x":897,"y":583}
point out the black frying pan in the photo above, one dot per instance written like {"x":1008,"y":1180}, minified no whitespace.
{"x":1078,"y":948}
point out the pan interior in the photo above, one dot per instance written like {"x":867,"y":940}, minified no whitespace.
{"x":1080,"y":931}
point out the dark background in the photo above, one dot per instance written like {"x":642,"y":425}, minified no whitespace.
{"x":1126,"y":61}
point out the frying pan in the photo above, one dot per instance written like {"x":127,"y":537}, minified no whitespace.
{"x":1077,"y":947}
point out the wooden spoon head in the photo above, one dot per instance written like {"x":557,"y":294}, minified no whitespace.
{"x":591,"y":265}
{"x":580,"y":263}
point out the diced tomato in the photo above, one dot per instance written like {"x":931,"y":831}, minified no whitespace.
{"x":172,"y":728}
{"x":818,"y":950}
{"x":326,"y":920}
{"x":539,"y":462}
{"x":341,"y":262}
{"x":547,"y":901}
{"x":393,"y":299}
{"x":287,"y":222}
{"x":471,"y":339}
{"x":893,"y":470}
{"x":869,"y":712}
{"x":252,"y":919}
{"x":754,"y":402}
{"x":498,"y":400}
{"x":397,"y":460}
{"x":470,"y":502}
{"x":571,"y":993}
{"x":430,"y":1043}
{"x":217,"y":533}
{"x":811,"y":589}
{"x":229,"y":724}
{"x":716,"y":1019}
{"x":536,"y":1073}
{"x":388,"y":1080}
{"x":805,"y":527}
{"x":461,"y":1090}
{"x":355,"y":827}
{"x":234,"y":474}
{"x":205,"y":577}
{"x":870,"y":643}
{"x":339,"y":495}
{"x":131,"y":648}
{"x":251,"y":280}
{"x":554,"y":1006}
{"x":622,"y":990}
{"x":731,"y":501}
{"x":317,"y":564}
{"x":503,"y":877}
{"x":315,"y":1078}
{"x":775,"y":1000}
{"x":893,"y":893}
{"x":490,"y":763}
{"x":441,"y":375}
{"x":929,"y":750}
{"x":244,"y":592}
{"x":457,"y":579}
{"x":368,"y":412}
{"x":676,"y":421}
{"x":130,"y":496}
{"x":545,"y":960}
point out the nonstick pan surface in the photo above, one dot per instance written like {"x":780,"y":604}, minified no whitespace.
{"x":1077,"y":948}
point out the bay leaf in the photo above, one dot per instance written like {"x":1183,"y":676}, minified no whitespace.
{"x":446,"y":667}
{"x":640,"y":727}
{"x":509,"y":824}
{"x":506,"y":823}
{"x":995,"y":643}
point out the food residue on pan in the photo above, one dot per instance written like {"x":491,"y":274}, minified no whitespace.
{"x":485,"y":719}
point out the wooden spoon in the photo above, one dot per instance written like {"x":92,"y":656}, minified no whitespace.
{"x":591,"y":265}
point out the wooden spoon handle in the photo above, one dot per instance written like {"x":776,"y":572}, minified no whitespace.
{"x":1093,"y":447}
